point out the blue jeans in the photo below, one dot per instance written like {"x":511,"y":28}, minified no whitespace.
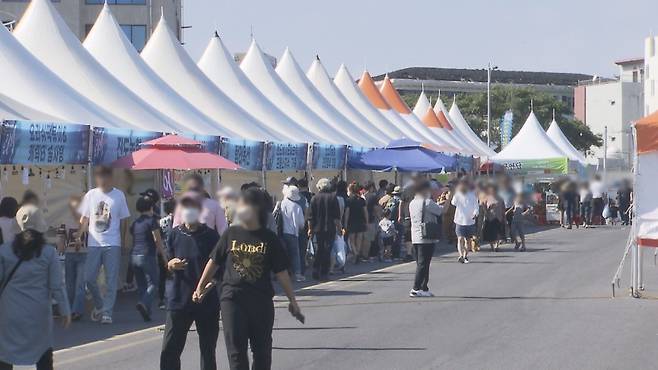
{"x":146,"y":273}
{"x":292,"y":246}
{"x":74,"y":271}
{"x":109,"y":258}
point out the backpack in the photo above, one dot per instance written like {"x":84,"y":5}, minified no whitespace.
{"x":278,"y":218}
{"x":393,"y":205}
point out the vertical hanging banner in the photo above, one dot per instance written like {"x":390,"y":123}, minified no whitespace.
{"x":110,"y":144}
{"x":286,"y":156}
{"x":209,"y":143}
{"x":168,"y":184}
{"x":328,"y":157}
{"x":248,"y":154}
{"x":506,"y":124}
{"x":43,"y":143}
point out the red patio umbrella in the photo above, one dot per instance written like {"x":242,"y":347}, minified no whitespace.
{"x":175,"y":153}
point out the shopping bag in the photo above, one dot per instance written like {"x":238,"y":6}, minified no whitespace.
{"x":606,"y":212}
{"x":310,"y":248}
{"x":338,"y":251}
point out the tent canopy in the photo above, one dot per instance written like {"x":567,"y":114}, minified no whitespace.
{"x":460,"y":124}
{"x":407,"y":159}
{"x":647,"y":133}
{"x":423,"y":110}
{"x":557,"y":136}
{"x":531,"y":142}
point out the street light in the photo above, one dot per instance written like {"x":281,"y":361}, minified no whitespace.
{"x":489,"y":69}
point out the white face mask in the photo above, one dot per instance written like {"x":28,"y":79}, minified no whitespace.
{"x":190,"y":215}
{"x":244,"y":213}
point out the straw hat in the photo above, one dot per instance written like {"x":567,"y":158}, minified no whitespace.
{"x":30,"y":217}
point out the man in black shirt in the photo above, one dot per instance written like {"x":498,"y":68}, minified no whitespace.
{"x":323,"y":223}
{"x":374,"y":214}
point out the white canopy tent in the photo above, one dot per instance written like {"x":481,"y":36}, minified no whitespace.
{"x":288,"y":69}
{"x":444,"y":116}
{"x":44,"y":33}
{"x":107,"y":43}
{"x":263,"y":76}
{"x":11,"y":109}
{"x":394,"y":100}
{"x":218,"y":65}
{"x":557,"y":136}
{"x":459,"y":123}
{"x":346,"y":85}
{"x":319,"y":77}
{"x":167,"y":58}
{"x":27,"y":83}
{"x":421,"y":109}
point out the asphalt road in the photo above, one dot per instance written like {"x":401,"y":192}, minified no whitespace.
{"x":548,"y":308}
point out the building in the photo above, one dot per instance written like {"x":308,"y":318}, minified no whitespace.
{"x":615,"y":104}
{"x":136,"y":17}
{"x":650,"y":76}
{"x":449,"y":81}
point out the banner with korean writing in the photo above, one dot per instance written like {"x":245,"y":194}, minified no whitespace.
{"x":247,"y":154}
{"x":209,"y":143}
{"x":43,"y":143}
{"x":328,"y":157}
{"x":110,"y":144}
{"x":354,"y":155}
{"x":286,"y":156}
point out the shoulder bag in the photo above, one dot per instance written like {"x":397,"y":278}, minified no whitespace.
{"x":429,"y":230}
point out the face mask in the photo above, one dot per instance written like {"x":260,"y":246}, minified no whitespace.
{"x":190,"y":215}
{"x":244,"y":213}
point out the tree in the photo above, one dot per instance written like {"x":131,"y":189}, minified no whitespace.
{"x":474,"y":108}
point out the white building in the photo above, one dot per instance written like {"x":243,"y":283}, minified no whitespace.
{"x":651,"y":76}
{"x":615,"y":104}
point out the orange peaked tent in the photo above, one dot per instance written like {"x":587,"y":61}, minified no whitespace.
{"x":392,"y":97}
{"x":647,"y":133}
{"x":369,"y":89}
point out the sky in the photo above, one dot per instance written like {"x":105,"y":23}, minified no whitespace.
{"x":580,"y":36}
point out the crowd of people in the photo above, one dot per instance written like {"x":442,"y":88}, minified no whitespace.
{"x":200,"y":257}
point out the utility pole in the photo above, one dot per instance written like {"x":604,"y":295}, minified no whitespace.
{"x":489,"y":104}
{"x":605,"y":153}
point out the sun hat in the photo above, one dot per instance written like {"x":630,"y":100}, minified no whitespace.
{"x":30,"y":217}
{"x":292,"y":193}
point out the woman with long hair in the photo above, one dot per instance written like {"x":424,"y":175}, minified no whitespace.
{"x":30,"y":276}
{"x":356,"y":223}
{"x":248,"y":254}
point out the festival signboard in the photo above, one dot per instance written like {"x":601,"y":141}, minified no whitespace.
{"x":548,"y":166}
{"x":248,"y":154}
{"x":286,"y":156}
{"x":328,"y":157}
{"x":110,"y":144}
{"x":43,"y":143}
{"x":209,"y":143}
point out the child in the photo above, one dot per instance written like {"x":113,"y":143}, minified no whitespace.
{"x":147,"y":245}
{"x":518,"y":211}
{"x":387,"y":234}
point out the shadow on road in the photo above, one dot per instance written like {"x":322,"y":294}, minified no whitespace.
{"x":349,"y":349}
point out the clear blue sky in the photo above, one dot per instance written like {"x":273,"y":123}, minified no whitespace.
{"x":584,"y":36}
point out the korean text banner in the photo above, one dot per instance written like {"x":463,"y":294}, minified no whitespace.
{"x":556,"y":166}
{"x":110,"y":144}
{"x":209,"y":143}
{"x":282,"y":156}
{"x":328,"y":157}
{"x":354,"y":157}
{"x":43,"y":143}
{"x":246,"y":153}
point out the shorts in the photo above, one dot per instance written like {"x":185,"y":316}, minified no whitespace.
{"x":465,"y":231}
{"x":517,"y":230}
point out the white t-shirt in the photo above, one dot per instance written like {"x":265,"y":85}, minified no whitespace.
{"x":105,"y":212}
{"x":467,"y":208}
{"x":597,"y":189}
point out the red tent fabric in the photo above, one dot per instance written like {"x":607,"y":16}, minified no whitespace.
{"x":175,"y":153}
{"x":647,"y":133}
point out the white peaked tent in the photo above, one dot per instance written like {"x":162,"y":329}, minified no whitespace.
{"x":218,"y":65}
{"x":263,"y":76}
{"x":557,"y":136}
{"x":27,"y":82}
{"x":11,"y":109}
{"x":291,"y":73}
{"x":167,"y":58}
{"x":393,"y":98}
{"x":43,"y":32}
{"x":346,"y":85}
{"x":459,"y":123}
{"x":421,"y":109}
{"x":319,"y":77}
{"x":108,"y":44}
{"x":532,"y":150}
{"x":444,"y":116}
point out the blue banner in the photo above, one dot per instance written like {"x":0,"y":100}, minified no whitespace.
{"x":209,"y":143}
{"x":328,"y":157}
{"x":506,"y":124}
{"x":286,"y":156}
{"x":43,"y":143}
{"x":247,"y":154}
{"x":110,"y":144}
{"x":354,"y":155}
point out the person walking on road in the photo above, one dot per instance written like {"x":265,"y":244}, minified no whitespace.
{"x":293,"y":222}
{"x":598,"y":193}
{"x":188,"y":250}
{"x":75,"y":254}
{"x":104,"y":220}
{"x":323,"y":224}
{"x":585,"y":205}
{"x":30,"y":277}
{"x":356,"y":223}
{"x":212,"y":215}
{"x":248,"y":255}
{"x":422,"y":210}
{"x":467,"y":210}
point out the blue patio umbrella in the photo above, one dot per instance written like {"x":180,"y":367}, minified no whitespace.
{"x":407,"y":159}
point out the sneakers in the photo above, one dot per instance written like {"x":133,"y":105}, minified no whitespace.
{"x":427,"y":293}
{"x":460,"y":259}
{"x":106,"y":320}
{"x":141,"y":308}
{"x":420,"y":293}
{"x":162,"y":305}
{"x":466,"y":260}
{"x":96,"y":315}
{"x":300,"y":278}
{"x":129,"y":287}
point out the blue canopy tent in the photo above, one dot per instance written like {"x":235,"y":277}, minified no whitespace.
{"x":404,"y":155}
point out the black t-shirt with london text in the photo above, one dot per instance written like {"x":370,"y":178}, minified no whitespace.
{"x":248,"y":259}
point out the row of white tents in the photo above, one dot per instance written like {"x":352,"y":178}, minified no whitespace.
{"x":47,"y":74}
